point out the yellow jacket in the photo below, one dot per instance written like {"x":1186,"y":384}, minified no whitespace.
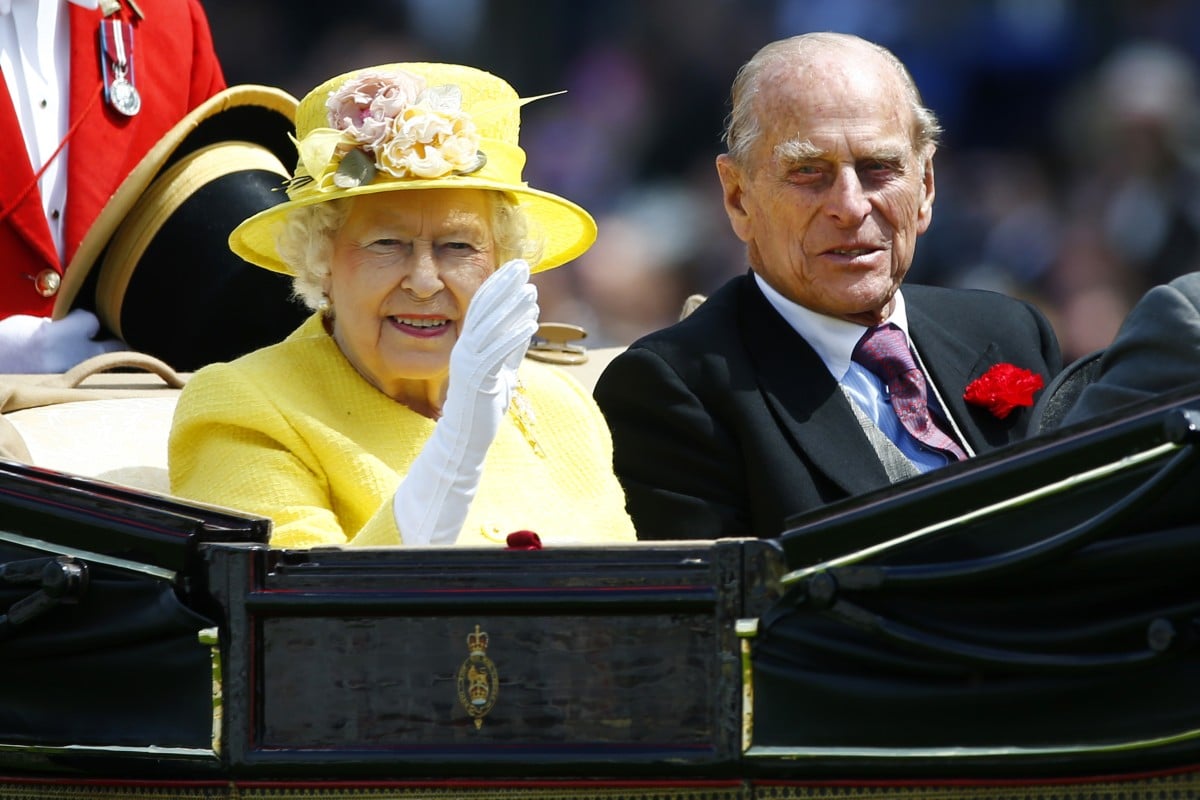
{"x":292,"y":432}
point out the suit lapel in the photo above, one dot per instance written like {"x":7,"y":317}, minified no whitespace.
{"x":22,"y":213}
{"x":951,"y":364}
{"x":810,"y":408}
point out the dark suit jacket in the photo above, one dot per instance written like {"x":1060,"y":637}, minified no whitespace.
{"x":728,"y":422}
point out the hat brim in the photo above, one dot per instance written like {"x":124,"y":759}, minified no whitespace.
{"x":261,"y":114}
{"x":565,"y":229}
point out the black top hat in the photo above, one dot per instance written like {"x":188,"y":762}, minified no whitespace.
{"x":156,"y":265}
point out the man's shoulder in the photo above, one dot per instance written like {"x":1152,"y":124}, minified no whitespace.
{"x":714,"y":320}
{"x":705,"y":343}
{"x":950,"y":304}
{"x":932,"y":295}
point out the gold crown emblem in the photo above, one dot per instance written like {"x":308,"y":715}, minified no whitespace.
{"x":478,"y":681}
{"x":478,"y":691}
{"x":477,"y":642}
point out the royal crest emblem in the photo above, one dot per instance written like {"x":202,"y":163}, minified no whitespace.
{"x":478,"y":679}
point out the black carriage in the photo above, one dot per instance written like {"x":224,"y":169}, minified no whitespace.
{"x":1023,"y":625}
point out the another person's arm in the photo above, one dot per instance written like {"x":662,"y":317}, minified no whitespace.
{"x":1156,"y":350}
{"x":432,"y":501}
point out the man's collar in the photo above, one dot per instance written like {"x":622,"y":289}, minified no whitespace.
{"x":833,"y":339}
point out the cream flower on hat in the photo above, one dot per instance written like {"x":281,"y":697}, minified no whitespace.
{"x":410,"y":130}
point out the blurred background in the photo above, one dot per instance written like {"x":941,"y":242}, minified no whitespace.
{"x":1067,"y":174}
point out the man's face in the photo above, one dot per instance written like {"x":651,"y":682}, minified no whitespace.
{"x":831,"y":197}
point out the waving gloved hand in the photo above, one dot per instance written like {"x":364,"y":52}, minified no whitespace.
{"x":431,"y":504}
{"x":31,"y":344}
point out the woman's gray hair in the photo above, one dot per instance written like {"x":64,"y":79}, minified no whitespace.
{"x":305,"y":243}
{"x":742,"y":126}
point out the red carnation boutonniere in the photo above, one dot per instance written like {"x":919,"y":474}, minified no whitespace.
{"x":1002,"y":388}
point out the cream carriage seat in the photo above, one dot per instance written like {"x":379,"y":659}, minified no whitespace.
{"x":107,"y":418}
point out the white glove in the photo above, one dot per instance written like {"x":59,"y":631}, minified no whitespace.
{"x":431,"y":504}
{"x":31,"y":344}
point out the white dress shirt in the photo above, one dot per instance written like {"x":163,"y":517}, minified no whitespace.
{"x":834,"y":340}
{"x":35,"y":49}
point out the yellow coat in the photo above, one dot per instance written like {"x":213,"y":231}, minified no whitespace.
{"x":292,"y":432}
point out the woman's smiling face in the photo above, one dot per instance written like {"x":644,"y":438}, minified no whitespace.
{"x":404,"y":267}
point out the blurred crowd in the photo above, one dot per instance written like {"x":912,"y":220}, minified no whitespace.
{"x":1067,"y":172}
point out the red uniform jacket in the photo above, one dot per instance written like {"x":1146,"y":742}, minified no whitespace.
{"x":175,"y":69}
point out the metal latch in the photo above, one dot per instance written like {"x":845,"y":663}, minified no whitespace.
{"x":61,"y":579}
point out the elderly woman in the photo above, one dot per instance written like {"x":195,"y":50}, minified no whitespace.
{"x":403,"y":411}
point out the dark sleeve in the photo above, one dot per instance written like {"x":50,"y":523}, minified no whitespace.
{"x":681,"y":471}
{"x":1156,"y":350}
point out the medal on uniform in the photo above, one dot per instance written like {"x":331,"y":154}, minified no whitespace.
{"x":116,"y":56}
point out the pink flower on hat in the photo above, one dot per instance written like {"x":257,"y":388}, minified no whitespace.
{"x":366,"y":105}
{"x":408,"y":129}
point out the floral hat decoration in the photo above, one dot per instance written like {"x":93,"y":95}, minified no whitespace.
{"x":413,"y":126}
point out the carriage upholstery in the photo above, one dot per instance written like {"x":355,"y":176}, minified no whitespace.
{"x":107,"y":418}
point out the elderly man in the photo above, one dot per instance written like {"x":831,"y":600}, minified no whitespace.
{"x":814,"y":377}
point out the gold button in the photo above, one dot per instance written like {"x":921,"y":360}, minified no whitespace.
{"x":47,"y":282}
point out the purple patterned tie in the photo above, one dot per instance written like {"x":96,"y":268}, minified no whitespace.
{"x":884,"y":351}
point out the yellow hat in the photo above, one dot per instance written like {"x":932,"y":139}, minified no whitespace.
{"x":414,"y":126}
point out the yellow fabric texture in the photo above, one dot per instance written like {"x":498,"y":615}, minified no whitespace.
{"x":292,"y":432}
